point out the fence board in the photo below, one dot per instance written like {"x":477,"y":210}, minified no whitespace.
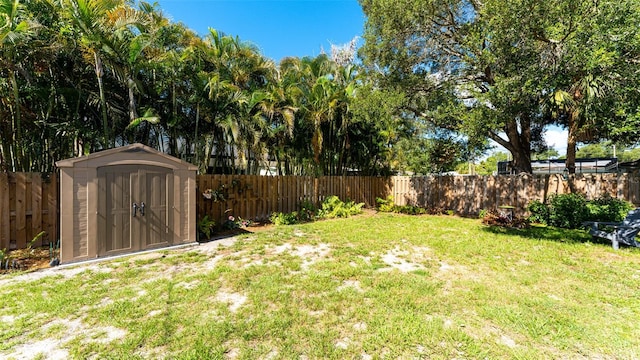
{"x":5,"y":212}
{"x":53,"y":199}
{"x":20,"y":212}
{"x":36,"y":207}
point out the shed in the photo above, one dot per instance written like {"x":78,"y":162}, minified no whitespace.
{"x":124,"y":200}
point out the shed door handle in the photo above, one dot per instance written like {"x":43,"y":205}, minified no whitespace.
{"x":142,"y":208}
{"x":135,"y":209}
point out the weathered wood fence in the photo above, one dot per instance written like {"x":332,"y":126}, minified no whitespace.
{"x":256,"y":197}
{"x":467,"y":195}
{"x":29,"y":201}
{"x":28,"y":205}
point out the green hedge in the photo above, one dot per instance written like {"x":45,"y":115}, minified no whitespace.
{"x":571,"y":210}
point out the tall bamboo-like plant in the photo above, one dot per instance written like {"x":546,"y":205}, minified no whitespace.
{"x":16,"y":28}
{"x":90,"y":17}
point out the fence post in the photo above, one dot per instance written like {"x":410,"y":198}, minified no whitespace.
{"x":5,"y":216}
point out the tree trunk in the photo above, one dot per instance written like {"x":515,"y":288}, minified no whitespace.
{"x":173,"y":139}
{"x":195,"y":138}
{"x":571,"y":146}
{"x":522,"y":161}
{"x":518,"y":143}
{"x":17,"y":125}
{"x":133,"y":114}
{"x":570,"y":163}
{"x":103,"y":103}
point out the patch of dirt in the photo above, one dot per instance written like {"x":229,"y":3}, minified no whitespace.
{"x":26,"y":260}
{"x":353,"y":284}
{"x":52,"y":348}
{"x":234,"y":300}
{"x":395,"y":259}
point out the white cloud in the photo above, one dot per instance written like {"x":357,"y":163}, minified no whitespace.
{"x":556,"y":138}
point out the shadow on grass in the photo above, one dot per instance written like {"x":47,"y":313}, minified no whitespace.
{"x":225,"y":234}
{"x":548,"y":233}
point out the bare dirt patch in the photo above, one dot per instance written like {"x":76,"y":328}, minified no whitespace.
{"x":310,"y":254}
{"x":235,"y":300}
{"x":53,"y":347}
{"x":404,"y":260}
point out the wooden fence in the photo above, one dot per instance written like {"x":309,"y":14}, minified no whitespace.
{"x":467,"y":195}
{"x":29,"y":201}
{"x":28,"y":205}
{"x":256,"y":197}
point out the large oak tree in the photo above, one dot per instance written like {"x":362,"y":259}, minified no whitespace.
{"x":504,"y":70}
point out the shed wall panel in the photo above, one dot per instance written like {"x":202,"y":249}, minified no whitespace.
{"x":80,"y":222}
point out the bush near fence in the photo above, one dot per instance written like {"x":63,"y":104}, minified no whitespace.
{"x":29,"y":201}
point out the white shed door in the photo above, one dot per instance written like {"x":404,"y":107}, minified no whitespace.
{"x":134,"y":205}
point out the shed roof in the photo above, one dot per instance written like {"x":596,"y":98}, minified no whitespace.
{"x":135,"y":153}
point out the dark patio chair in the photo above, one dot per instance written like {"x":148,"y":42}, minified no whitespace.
{"x":624,"y":232}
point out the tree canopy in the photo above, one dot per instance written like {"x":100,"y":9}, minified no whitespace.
{"x":436,"y":81}
{"x":505,"y":70}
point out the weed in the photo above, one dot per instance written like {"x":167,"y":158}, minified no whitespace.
{"x":33,"y":241}
{"x":385,"y":205}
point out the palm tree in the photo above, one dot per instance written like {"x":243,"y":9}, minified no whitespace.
{"x":90,"y":17}
{"x":236,"y":78}
{"x":575,"y":108}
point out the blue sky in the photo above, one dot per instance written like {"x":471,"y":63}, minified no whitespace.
{"x":279,"y":28}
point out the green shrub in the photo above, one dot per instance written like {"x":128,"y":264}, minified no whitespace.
{"x":308,"y":211}
{"x":610,"y":209}
{"x":567,"y":210}
{"x":571,"y":210}
{"x":539,"y":212}
{"x":410,"y":210}
{"x":279,"y":218}
{"x":385,"y":205}
{"x":333,"y":207}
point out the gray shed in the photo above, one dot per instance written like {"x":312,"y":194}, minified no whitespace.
{"x":124,"y":200}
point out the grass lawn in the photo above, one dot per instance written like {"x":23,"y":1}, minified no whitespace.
{"x":368,"y":287}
